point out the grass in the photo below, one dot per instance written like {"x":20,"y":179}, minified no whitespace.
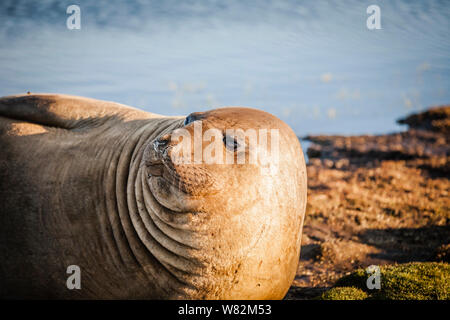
{"x":411,"y":281}
{"x":344,"y":293}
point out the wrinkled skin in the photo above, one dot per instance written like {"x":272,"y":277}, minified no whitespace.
{"x":93,"y":183}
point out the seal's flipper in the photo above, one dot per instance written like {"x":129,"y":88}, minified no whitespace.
{"x":64,"y":111}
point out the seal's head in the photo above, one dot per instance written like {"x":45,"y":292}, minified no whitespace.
{"x":237,"y":176}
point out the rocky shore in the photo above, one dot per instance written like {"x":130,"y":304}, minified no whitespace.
{"x":375,"y":199}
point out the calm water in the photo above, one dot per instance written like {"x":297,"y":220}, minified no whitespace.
{"x":314,"y":64}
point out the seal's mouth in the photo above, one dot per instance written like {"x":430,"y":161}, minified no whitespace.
{"x":159,"y":165}
{"x":155,"y":157}
{"x":166,"y":172}
{"x":158,"y":161}
{"x":156,"y":170}
{"x":186,"y":178}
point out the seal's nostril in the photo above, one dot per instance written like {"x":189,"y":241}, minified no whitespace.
{"x":160,"y":143}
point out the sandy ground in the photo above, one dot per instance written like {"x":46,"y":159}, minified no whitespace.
{"x":375,"y":200}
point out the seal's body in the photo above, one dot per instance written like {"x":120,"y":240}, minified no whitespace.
{"x":93,"y":184}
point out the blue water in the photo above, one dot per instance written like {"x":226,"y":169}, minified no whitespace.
{"x":314,"y":64}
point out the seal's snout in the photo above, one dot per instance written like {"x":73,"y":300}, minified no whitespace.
{"x":156,"y":151}
{"x":161,"y":143}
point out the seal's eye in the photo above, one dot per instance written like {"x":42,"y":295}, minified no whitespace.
{"x":230,"y":143}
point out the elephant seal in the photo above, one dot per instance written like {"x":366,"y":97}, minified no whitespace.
{"x":93,"y":184}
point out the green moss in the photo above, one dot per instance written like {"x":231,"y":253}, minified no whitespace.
{"x":411,"y":281}
{"x":344,"y":293}
{"x":356,"y":279}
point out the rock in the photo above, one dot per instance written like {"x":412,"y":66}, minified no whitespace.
{"x":434,"y":119}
